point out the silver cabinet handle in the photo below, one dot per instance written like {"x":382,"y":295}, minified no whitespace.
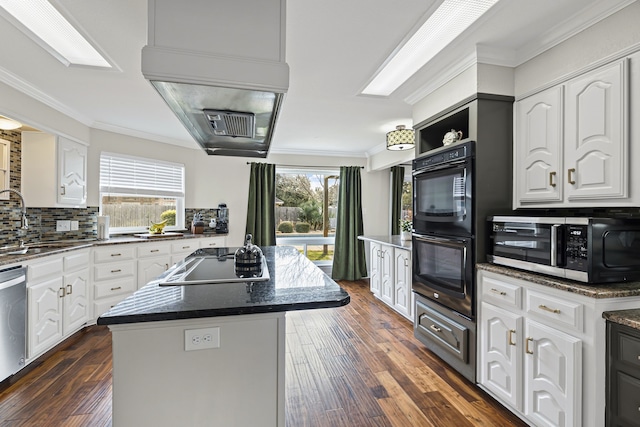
{"x":63,"y":190}
{"x":435,"y":328}
{"x":550,"y":310}
{"x":154,"y":250}
{"x":69,"y":289}
{"x":116,"y":271}
{"x":495,"y":291}
{"x":116,"y":254}
{"x":61,"y":293}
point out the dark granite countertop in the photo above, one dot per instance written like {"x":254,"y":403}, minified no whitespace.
{"x":43,"y":249}
{"x":607,"y":290}
{"x":630,"y":317}
{"x":389,"y":239}
{"x":295,"y":284}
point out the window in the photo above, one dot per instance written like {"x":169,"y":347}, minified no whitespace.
{"x":135,"y":192}
{"x":305,"y":212}
{"x":407,"y":196}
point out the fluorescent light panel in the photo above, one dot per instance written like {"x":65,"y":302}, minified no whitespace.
{"x":47,"y":24}
{"x":449,"y":21}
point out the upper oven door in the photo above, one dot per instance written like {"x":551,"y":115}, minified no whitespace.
{"x":442,"y":199}
{"x":443,"y":270}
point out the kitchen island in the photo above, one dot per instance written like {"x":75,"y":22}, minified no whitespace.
{"x":211,"y":354}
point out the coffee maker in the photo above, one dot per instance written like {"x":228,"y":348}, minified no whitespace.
{"x":222,"y":223}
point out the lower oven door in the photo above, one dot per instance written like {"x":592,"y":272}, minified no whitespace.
{"x":443,"y":271}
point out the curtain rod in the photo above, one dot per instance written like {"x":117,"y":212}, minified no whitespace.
{"x":308,"y":167}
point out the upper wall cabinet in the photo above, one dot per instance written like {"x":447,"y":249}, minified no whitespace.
{"x":572,"y":142}
{"x":54,"y":171}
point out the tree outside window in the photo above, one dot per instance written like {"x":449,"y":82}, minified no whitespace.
{"x":306,"y":206}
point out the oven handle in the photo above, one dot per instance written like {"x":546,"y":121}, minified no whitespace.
{"x":458,"y":164}
{"x":554,"y":245}
{"x":443,"y":240}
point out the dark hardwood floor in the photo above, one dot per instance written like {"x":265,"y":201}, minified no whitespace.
{"x":357,"y":365}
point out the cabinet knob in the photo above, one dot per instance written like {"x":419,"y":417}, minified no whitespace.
{"x":552,"y":181}
{"x":570,"y":172}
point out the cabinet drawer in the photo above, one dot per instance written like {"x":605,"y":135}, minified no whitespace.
{"x":150,"y":250}
{"x":114,"y":270}
{"x":503,"y":293}
{"x":212,"y":242}
{"x":449,"y":335}
{"x":52,"y":267}
{"x":557,"y":311}
{"x":629,"y":350}
{"x":102,"y":306}
{"x":76,"y":261}
{"x":114,"y":287}
{"x":184,"y":247}
{"x":115,"y":253}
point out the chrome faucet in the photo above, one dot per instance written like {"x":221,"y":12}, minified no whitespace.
{"x":25,"y":223}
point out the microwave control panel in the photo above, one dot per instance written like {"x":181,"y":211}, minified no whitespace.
{"x":577,"y":247}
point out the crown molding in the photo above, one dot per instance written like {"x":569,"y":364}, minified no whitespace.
{"x":186,"y":143}
{"x":307,"y":152}
{"x":28,"y":89}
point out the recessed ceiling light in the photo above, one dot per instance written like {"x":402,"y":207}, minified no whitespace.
{"x":449,"y":21}
{"x":39,"y":20}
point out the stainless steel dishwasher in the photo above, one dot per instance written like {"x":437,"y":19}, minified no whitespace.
{"x":13,"y":320}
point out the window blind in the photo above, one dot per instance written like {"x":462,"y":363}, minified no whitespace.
{"x":120,"y":174}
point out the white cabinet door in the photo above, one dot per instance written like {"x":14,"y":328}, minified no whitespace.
{"x":553,"y":376}
{"x":45,"y":315}
{"x":375,"y":252}
{"x":402,"y":291}
{"x":500,"y":342}
{"x":596,"y":137}
{"x":386,"y":274}
{"x":149,"y":269}
{"x":72,"y":172}
{"x":538,"y":147}
{"x":76,"y":306}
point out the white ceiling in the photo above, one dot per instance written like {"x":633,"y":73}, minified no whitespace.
{"x":333,"y":49}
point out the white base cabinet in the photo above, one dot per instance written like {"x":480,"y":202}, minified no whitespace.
{"x":541,"y":351}
{"x":390,"y":276}
{"x":58,"y":299}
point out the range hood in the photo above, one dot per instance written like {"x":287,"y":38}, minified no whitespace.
{"x":221,"y":70}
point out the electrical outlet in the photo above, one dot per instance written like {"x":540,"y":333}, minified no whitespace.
{"x":74,"y":225}
{"x":63,"y":225}
{"x":200,"y":339}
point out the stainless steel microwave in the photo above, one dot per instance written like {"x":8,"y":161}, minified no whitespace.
{"x":586,"y":249}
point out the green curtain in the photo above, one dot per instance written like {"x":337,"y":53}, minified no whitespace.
{"x":397,"y":179}
{"x":261,"y":207}
{"x":349,"y":261}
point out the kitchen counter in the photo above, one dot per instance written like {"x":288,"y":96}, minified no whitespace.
{"x":607,"y":290}
{"x":61,"y":246}
{"x":295,"y":284}
{"x":390,"y":239}
{"x":211,"y":354}
{"x":629,"y":317}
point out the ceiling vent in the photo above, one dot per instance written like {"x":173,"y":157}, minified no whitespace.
{"x":231,"y":123}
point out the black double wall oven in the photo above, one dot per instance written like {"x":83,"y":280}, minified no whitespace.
{"x":443,"y":258}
